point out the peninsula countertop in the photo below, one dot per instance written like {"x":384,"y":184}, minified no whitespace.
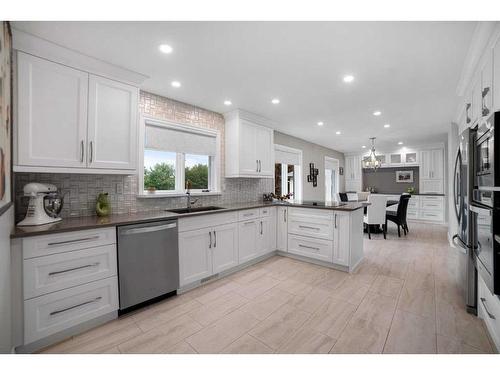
{"x":92,"y":222}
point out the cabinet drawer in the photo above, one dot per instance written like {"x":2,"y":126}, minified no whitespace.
{"x":70,"y":241}
{"x":431,"y":215}
{"x":206,"y":220}
{"x":306,"y":227}
{"x":436,"y":205}
{"x":312,"y":248}
{"x":248,"y":214}
{"x":489,"y":310}
{"x":412,"y":214}
{"x":266,"y":211}
{"x":55,"y":272}
{"x":54,"y":312}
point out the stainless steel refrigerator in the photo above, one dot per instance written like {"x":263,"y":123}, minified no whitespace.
{"x":462,"y":195}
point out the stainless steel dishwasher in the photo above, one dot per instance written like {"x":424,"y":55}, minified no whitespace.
{"x":148,"y":261}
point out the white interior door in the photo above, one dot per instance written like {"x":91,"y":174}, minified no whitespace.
{"x":112,"y":131}
{"x":51,"y":113}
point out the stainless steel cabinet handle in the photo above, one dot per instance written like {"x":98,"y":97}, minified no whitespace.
{"x":284,"y":215}
{"x":75,"y":306}
{"x":335,"y":220}
{"x":81,"y":151}
{"x":74,"y":269}
{"x":149,"y":229}
{"x":71,"y":241}
{"x":260,"y":166}
{"x":248,"y":222}
{"x":257,"y":166}
{"x":215,"y":239}
{"x":307,"y":227}
{"x":261,"y":227}
{"x":483,"y":301}
{"x":309,"y":247}
{"x":210,"y":240}
{"x":91,"y":153}
{"x":249,"y":214}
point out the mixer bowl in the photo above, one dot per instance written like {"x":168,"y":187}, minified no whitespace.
{"x":53,"y":204}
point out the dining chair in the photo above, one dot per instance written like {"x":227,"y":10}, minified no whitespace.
{"x":343,"y":197}
{"x":399,"y":217}
{"x":375,"y":213}
{"x":363,"y":195}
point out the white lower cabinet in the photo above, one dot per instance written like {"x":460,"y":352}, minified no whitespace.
{"x":489,"y":311}
{"x":54,"y":312}
{"x":282,"y":229}
{"x":207,"y":251}
{"x":225,"y":247}
{"x":310,"y":247}
{"x":248,"y":236}
{"x":341,"y":238}
{"x":195,"y":258}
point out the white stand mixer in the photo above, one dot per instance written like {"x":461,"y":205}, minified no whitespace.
{"x":36,"y":213}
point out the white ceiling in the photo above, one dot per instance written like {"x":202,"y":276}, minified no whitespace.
{"x":407,"y":70}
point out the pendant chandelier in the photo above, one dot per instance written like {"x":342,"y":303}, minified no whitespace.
{"x":372,"y":161}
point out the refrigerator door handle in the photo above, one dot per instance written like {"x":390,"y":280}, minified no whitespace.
{"x":460,"y":245}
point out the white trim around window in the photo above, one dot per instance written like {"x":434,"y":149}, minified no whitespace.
{"x":288,"y":155}
{"x":214,"y":179}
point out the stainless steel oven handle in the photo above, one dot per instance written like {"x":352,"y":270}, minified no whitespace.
{"x":488,"y":188}
{"x":149,"y":229}
{"x":480,"y":211}
{"x":497,"y":238}
{"x":483,"y":301}
{"x":459,"y":244}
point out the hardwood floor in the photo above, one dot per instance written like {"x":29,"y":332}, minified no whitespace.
{"x":403,"y":298}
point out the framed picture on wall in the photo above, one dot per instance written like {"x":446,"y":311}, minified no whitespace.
{"x":404,"y":176}
{"x":5,"y":116}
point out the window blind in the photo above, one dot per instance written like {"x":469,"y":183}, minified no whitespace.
{"x":179,"y":140}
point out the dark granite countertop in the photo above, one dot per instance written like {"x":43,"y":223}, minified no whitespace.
{"x":92,"y":222}
{"x":435,"y":194}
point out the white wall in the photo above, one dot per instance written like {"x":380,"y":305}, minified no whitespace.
{"x":452,"y":150}
{"x":6,"y":224}
{"x":312,"y":153}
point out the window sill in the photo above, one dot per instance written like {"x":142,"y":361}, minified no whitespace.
{"x":175,"y":194}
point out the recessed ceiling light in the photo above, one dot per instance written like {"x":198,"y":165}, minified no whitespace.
{"x":363,"y":146}
{"x":338,"y":132}
{"x":400,"y":143}
{"x":320,"y":123}
{"x":387,"y":126}
{"x":176,"y":84}
{"x":377,"y":113}
{"x":348,"y":78}
{"x":165,"y":48}
{"x":275,"y":101}
{"x":227,"y":102}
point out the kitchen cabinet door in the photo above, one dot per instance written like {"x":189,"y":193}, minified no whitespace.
{"x":195,"y":256}
{"x":249,"y":164}
{"x":282,"y":229}
{"x":411,"y":158}
{"x":437,"y":164}
{"x":51,"y":114}
{"x":496,"y":76}
{"x":248,"y":234}
{"x":112,"y":124}
{"x":425,"y":164}
{"x":225,"y":247}
{"x":476,"y":98}
{"x":487,"y":85}
{"x":341,"y":240}
{"x":356,"y":167}
{"x":264,"y":241}
{"x":264,"y":151}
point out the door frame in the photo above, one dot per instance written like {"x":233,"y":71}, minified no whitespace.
{"x":337,"y":182}
{"x":297,"y":170}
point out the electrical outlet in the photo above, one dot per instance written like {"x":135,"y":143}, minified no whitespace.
{"x":119,"y":188}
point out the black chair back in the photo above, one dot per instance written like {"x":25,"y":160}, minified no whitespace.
{"x":343,"y":197}
{"x":403,"y":207}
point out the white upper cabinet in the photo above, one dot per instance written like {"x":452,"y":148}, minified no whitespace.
{"x":432,"y":171}
{"x":496,"y":76}
{"x":112,"y":124}
{"x":72,"y":121}
{"x":249,"y":145}
{"x":51,"y":114}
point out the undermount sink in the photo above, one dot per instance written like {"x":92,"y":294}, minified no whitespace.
{"x":194,"y":209}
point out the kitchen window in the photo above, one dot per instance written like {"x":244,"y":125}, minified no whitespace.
{"x":174,"y":154}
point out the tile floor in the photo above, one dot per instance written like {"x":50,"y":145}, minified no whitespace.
{"x":403,"y":298}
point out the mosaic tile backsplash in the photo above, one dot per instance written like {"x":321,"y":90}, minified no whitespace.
{"x":81,"y":190}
